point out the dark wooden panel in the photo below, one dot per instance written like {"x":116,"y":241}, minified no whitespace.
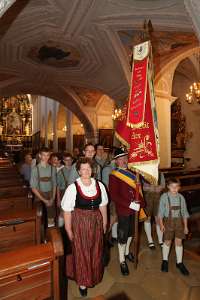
{"x":19,"y":235}
{"x":15,"y":203}
{"x":32,"y":272}
{"x":14,"y":191}
{"x":19,"y":228}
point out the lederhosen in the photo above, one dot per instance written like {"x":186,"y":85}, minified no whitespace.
{"x":174,"y":226}
{"x":96,"y":170}
{"x":98,"y":165}
{"x":85,"y":265}
{"x":152,"y":199}
{"x":51,"y":212}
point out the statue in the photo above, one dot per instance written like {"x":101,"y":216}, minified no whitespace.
{"x":13,"y":123}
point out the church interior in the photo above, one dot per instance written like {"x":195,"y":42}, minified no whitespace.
{"x":65,"y":75}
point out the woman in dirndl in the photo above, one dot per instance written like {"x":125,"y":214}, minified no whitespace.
{"x":85,"y":212}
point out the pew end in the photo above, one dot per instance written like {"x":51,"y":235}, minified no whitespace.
{"x":32,"y":272}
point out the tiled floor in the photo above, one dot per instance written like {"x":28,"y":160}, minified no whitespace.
{"x":147,"y":282}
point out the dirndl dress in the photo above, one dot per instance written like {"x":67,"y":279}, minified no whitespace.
{"x":85,"y":263}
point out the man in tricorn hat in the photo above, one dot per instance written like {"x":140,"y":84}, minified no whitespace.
{"x":122,"y":188}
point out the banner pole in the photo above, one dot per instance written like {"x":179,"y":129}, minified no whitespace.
{"x":136,"y":225}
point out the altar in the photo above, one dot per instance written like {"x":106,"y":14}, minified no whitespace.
{"x":15,"y":123}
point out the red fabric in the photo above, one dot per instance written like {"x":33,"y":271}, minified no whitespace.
{"x":143,"y":146}
{"x":85,"y":265}
{"x":138,"y":92}
{"x":122,"y":131}
{"x":122,"y":195}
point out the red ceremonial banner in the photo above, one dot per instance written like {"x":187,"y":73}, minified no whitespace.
{"x":137,"y":99}
{"x":137,"y":128}
{"x":122,"y":131}
{"x":143,"y":147}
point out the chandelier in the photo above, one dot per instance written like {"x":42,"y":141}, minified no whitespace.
{"x":194,"y":93}
{"x":117,"y":114}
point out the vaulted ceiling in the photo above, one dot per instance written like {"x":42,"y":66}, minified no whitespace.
{"x":76,"y":50}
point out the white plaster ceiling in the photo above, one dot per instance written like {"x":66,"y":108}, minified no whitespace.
{"x":90,"y":27}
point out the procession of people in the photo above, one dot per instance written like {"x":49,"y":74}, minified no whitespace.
{"x":96,"y":197}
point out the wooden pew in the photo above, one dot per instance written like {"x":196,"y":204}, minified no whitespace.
{"x":192,"y":196}
{"x":7,"y":169}
{"x":32,"y":272}
{"x":190,"y":188}
{"x":5,"y":163}
{"x":18,"y":202}
{"x":16,"y":181}
{"x":175,"y":173}
{"x":189,"y":179}
{"x":10,"y":192}
{"x":192,"y":245}
{"x":20,"y":227}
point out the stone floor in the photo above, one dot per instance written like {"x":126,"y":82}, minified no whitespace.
{"x":147,"y":282}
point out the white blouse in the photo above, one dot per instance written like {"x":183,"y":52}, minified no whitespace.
{"x":69,"y":198}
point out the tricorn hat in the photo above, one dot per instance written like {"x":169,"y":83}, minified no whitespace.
{"x":119,"y":153}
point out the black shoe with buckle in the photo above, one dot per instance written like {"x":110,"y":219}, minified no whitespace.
{"x":182,"y":269}
{"x":152,"y":246}
{"x":83,"y":292}
{"x":130,"y":257}
{"x":164,"y":266}
{"x":124,"y":268}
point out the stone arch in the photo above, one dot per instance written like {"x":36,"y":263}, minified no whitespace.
{"x":184,"y":75}
{"x":173,"y":63}
{"x":164,"y":99}
{"x":60,"y":94}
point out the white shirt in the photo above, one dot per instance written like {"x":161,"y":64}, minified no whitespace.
{"x":69,"y":198}
{"x":59,"y":168}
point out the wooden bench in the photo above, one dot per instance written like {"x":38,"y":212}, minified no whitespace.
{"x":20,"y":227}
{"x":14,"y":191}
{"x":20,"y":202}
{"x":192,"y":195}
{"x":32,"y":272}
{"x":190,"y":188}
{"x":175,"y":173}
{"x":191,"y":179}
{"x":11,"y":182}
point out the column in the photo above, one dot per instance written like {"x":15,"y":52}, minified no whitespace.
{"x":69,"y":133}
{"x":46,"y":122}
{"x":55,"y":135}
{"x":163,"y":105}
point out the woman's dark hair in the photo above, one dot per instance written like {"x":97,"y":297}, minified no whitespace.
{"x":82,"y":161}
{"x":173,"y":180}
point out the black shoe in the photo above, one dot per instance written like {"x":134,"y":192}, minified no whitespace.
{"x":83,"y":292}
{"x":182,"y":269}
{"x":164,"y":266}
{"x":112,"y":242}
{"x":130,"y":257}
{"x":152,"y":246}
{"x":124,"y":269}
